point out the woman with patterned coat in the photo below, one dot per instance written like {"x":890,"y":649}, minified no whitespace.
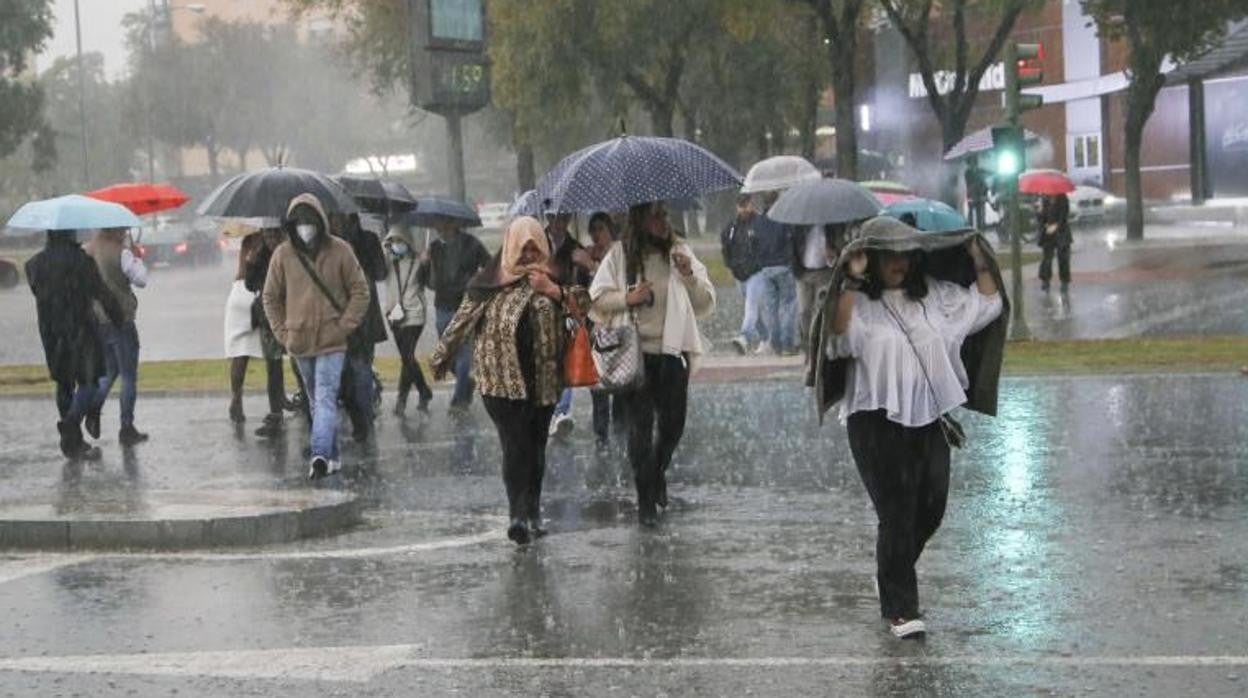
{"x":515,"y":312}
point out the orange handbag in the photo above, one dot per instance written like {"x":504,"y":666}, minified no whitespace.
{"x":578,"y":361}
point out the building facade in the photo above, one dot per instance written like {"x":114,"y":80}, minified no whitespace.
{"x":1197,"y":133}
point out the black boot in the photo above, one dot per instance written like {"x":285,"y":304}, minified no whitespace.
{"x":647,"y":506}
{"x":273,"y":425}
{"x":400,"y":405}
{"x":73,"y":445}
{"x":129,"y":436}
{"x":518,"y":532}
{"x":92,"y":423}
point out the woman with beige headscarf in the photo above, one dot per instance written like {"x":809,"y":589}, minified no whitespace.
{"x":515,"y":311}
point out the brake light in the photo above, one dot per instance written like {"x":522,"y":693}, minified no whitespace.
{"x":181,"y":248}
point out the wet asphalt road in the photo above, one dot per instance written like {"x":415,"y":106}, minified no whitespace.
{"x":1095,"y":544}
{"x":1167,"y":286}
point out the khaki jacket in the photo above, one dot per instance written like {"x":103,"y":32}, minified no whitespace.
{"x":302,"y":318}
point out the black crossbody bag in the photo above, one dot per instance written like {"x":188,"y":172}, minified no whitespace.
{"x":307,"y":266}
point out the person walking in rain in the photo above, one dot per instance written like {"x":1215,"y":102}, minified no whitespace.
{"x":815,"y":249}
{"x":1055,"y":239}
{"x":656,"y":276}
{"x":122,"y":271}
{"x":66,"y":283}
{"x":358,"y":386}
{"x":315,"y":296}
{"x":737,"y":245}
{"x":608,"y":409}
{"x":572,"y":265}
{"x":256,"y":272}
{"x":516,"y":311}
{"x":449,"y":263}
{"x":405,"y":298}
{"x":893,"y":335}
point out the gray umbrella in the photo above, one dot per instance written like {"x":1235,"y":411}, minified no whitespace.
{"x":825,"y":201}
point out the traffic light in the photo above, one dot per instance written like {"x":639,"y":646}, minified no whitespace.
{"x":1010,"y":151}
{"x":1023,"y":69}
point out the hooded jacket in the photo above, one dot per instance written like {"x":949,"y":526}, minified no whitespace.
{"x":403,"y":283}
{"x":302,"y":317}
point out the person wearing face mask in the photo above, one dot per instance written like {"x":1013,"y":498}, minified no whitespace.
{"x":515,"y":309}
{"x":315,"y":296}
{"x":405,"y":311}
{"x":655,"y":275}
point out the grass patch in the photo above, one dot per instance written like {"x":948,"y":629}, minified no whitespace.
{"x":1074,"y":357}
{"x":1134,"y":355}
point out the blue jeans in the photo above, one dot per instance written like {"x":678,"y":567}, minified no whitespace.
{"x":121,"y":358}
{"x":778,"y":304}
{"x":564,"y":406}
{"x":321,"y":377}
{"x":751,"y":320}
{"x":462,"y":367}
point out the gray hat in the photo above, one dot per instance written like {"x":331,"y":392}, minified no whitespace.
{"x":888,"y":233}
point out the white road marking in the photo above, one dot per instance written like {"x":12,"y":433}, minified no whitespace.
{"x":341,"y":553}
{"x":363,"y":663}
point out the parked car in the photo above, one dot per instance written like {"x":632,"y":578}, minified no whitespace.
{"x":181,"y":243}
{"x":493,"y":215}
{"x":1087,"y":203}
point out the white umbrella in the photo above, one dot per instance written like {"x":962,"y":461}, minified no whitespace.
{"x":779,"y":172}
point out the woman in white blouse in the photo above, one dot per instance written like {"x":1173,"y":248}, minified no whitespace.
{"x":903,"y":331}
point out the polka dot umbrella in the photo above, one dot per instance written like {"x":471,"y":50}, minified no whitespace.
{"x":619,"y":173}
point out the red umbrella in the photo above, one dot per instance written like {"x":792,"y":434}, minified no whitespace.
{"x":1049,"y":182}
{"x":142,"y":197}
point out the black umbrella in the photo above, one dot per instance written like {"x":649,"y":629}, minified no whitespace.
{"x":430,"y":208}
{"x":267,"y":194}
{"x":378,"y":195}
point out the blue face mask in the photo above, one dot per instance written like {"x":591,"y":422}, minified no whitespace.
{"x":398,"y":249}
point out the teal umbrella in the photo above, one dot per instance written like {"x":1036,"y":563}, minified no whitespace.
{"x":73,"y":212}
{"x":927,"y":215}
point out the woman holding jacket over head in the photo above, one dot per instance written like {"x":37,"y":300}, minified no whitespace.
{"x":654,"y":275}
{"x":913,"y":328}
{"x":516,"y":312}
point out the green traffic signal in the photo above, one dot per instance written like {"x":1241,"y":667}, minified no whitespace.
{"x":1008,"y":146}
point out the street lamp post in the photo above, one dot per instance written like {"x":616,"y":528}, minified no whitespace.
{"x":82,"y":100}
{"x":150,"y":47}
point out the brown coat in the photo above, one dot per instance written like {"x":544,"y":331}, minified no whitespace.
{"x":302,"y":318}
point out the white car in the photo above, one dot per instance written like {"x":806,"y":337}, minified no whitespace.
{"x":1087,"y":203}
{"x":493,"y":215}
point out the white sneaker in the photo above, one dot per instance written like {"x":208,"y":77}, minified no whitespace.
{"x":903,"y":629}
{"x":764,"y":347}
{"x":741,"y":345}
{"x":561,"y":426}
{"x":335,"y":466}
{"x":318,"y":468}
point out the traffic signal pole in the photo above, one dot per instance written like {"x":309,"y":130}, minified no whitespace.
{"x":1011,"y":148}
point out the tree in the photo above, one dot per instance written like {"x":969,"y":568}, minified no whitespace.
{"x":26,"y":26}
{"x":1153,"y":30}
{"x":914,"y":19}
{"x":839,"y":23}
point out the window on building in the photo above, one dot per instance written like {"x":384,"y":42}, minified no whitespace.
{"x":1087,"y":151}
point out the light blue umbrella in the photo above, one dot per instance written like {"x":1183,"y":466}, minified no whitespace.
{"x":928,"y":216}
{"x":73,"y":212}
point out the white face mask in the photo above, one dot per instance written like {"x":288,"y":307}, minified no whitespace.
{"x":306,"y":232}
{"x":398,"y":248}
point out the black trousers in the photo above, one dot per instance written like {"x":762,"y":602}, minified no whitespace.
{"x":906,"y":473}
{"x":608,"y":411}
{"x":523,"y":428}
{"x":663,"y":402}
{"x":1063,"y":263}
{"x":406,"y":338}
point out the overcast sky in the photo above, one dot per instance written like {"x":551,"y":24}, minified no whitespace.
{"x":101,"y":31}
